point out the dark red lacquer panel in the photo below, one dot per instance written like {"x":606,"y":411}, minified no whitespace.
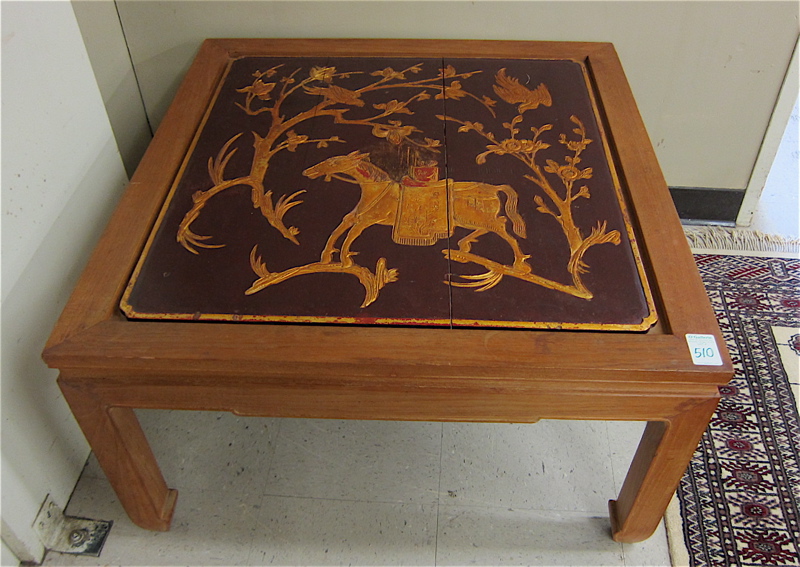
{"x":397,"y":191}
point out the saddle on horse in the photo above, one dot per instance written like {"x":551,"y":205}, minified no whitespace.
{"x":422,"y":213}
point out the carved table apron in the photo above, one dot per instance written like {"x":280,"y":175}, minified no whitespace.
{"x":473,"y":230}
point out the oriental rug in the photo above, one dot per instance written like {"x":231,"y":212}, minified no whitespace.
{"x":739,"y":498}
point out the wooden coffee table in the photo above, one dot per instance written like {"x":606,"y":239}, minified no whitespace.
{"x":128,"y":342}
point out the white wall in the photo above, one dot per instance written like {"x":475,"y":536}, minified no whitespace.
{"x":61,"y":176}
{"x":7,"y":557}
{"x":705,"y":74}
{"x":783,"y":124}
{"x":778,"y":210}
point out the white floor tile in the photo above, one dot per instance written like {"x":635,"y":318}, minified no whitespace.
{"x":653,"y":552}
{"x":550,"y":465}
{"x":624,"y":437}
{"x":357,"y":460}
{"x":501,"y":536}
{"x":312,"y":531}
{"x":357,"y":492}
{"x":209,"y":528}
{"x":211,"y":450}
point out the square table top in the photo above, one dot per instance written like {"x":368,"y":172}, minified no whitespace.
{"x":95,"y":338}
{"x":428,"y":190}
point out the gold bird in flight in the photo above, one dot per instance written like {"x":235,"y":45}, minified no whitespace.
{"x":511,"y":91}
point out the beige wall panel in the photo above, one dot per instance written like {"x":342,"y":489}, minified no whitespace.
{"x":108,"y":53}
{"x":705,"y":74}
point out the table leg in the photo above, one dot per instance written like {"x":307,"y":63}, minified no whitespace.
{"x":660,"y":461}
{"x":118,"y":442}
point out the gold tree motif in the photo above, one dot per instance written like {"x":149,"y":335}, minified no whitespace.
{"x":559,"y":202}
{"x":267,"y":95}
{"x":372,"y":282}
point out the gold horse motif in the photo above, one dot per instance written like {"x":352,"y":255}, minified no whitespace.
{"x":416,"y":212}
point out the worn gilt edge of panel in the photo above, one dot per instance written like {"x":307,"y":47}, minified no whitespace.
{"x":652,"y":318}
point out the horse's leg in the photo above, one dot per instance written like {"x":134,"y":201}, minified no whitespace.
{"x":520,"y":264}
{"x":484,"y":212}
{"x":355,"y":231}
{"x":327,"y":252}
{"x":465,"y":244}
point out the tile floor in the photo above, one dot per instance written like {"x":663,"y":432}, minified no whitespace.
{"x":312,"y":492}
{"x":318,"y":492}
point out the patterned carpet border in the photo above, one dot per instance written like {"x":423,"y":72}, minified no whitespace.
{"x":739,"y":499}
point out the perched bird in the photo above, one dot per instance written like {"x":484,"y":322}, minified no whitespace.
{"x":258,"y":89}
{"x":511,"y":91}
{"x":337,"y":94}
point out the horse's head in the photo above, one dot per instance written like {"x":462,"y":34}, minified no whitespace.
{"x":335,"y":164}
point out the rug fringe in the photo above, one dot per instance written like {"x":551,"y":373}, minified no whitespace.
{"x":673,"y":522}
{"x":732,"y":240}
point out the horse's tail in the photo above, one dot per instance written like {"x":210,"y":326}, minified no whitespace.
{"x":511,"y":210}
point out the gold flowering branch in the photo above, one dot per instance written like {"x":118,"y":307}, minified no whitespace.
{"x":372,"y":282}
{"x":496,"y":271}
{"x":568,"y":174}
{"x":394,"y":131}
{"x":267,"y":94}
{"x":559,"y":202}
{"x":453,"y":90}
{"x":258,"y":90}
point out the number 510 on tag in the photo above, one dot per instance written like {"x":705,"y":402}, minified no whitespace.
{"x":703,"y":349}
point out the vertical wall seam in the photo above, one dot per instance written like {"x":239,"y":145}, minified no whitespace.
{"x":133,"y":68}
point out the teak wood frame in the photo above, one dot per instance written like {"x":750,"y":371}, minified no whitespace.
{"x":109,"y":365}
